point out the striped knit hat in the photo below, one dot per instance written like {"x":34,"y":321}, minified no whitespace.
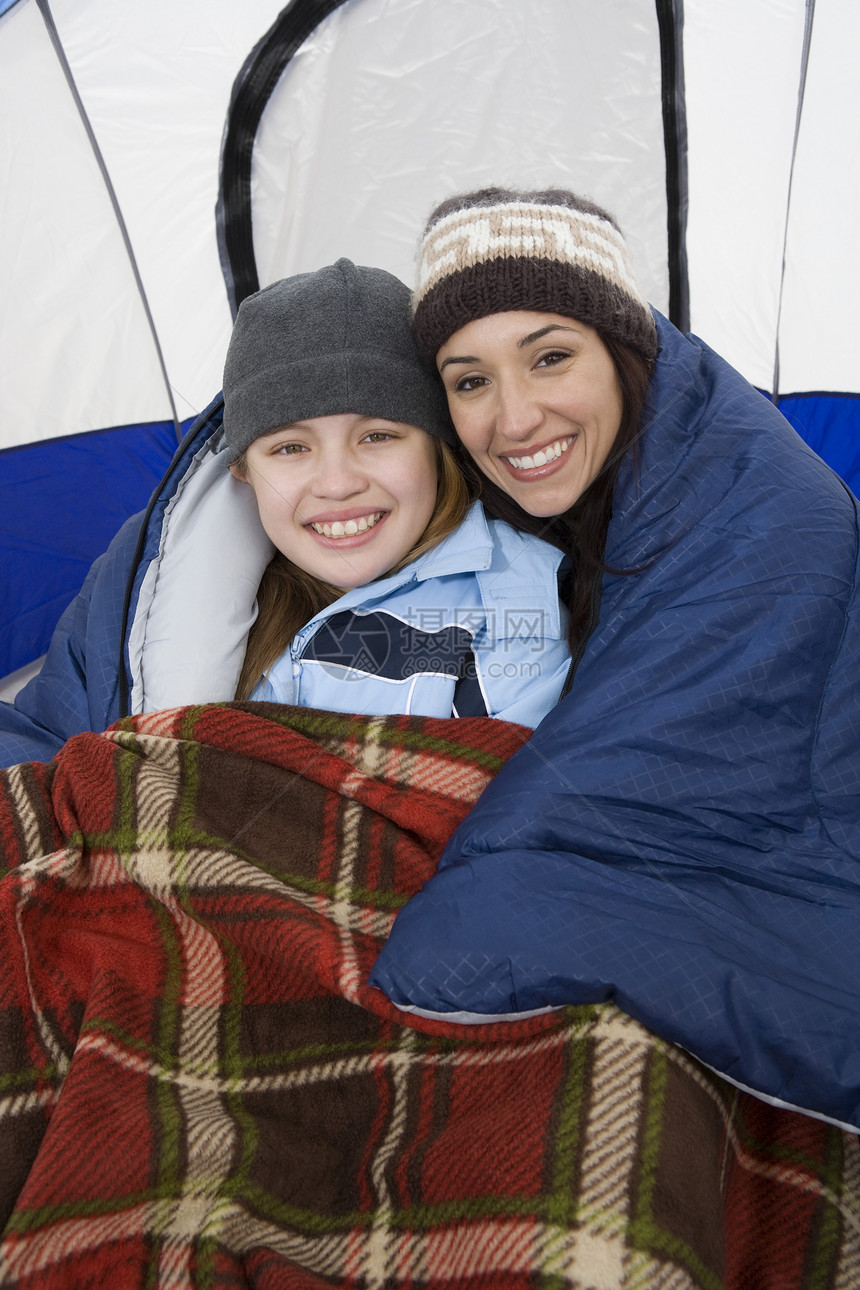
{"x":496,"y":250}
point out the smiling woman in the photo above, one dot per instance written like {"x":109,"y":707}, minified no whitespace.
{"x":681,"y":835}
{"x":539,"y":290}
{"x":537,"y":404}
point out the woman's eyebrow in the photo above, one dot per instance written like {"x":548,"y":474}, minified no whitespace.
{"x":521,"y":344}
{"x":467,"y":358}
{"x":543,"y":331}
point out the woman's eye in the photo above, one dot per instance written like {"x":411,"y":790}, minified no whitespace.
{"x":467,"y":383}
{"x":553,"y":357}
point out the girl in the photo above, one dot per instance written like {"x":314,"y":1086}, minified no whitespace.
{"x":337,"y":563}
{"x":388,"y":592}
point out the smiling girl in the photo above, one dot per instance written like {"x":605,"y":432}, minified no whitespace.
{"x":388,"y":591}
{"x":313,"y":542}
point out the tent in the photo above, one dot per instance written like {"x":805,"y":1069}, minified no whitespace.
{"x":161,"y":161}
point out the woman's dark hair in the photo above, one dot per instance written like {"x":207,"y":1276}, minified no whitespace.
{"x":581,"y":531}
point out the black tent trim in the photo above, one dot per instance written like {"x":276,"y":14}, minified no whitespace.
{"x":265,"y":65}
{"x":252,"y":89}
{"x":670,"y":18}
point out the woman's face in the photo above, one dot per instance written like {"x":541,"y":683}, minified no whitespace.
{"x":344,"y":497}
{"x":536,"y":402}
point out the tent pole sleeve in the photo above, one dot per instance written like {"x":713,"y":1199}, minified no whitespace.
{"x":801,"y":91}
{"x":45,"y":10}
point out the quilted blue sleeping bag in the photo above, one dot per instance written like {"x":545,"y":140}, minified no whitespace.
{"x":682,"y":833}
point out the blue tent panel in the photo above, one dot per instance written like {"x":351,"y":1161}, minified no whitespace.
{"x":830,"y":424}
{"x":63,"y":501}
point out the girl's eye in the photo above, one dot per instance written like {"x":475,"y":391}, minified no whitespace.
{"x":378,"y":436}
{"x":289,"y":449}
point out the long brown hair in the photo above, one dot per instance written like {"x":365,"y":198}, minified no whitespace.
{"x":288,"y":597}
{"x":581,"y":531}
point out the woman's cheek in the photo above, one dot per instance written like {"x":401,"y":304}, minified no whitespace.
{"x":468,"y":429}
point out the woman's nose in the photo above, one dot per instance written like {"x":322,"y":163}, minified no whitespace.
{"x":518,"y":412}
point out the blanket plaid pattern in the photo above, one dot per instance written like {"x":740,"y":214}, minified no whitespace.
{"x":198,"y":1089}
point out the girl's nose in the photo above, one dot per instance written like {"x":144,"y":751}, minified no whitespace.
{"x":338,"y":476}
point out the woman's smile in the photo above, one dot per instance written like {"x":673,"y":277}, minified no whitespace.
{"x":540,"y":459}
{"x":536,"y":402}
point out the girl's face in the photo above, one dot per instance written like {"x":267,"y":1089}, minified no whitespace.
{"x":536,"y":402}
{"x":344,"y":497}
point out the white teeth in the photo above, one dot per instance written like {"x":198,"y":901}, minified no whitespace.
{"x":543,"y":457}
{"x":348,"y":528}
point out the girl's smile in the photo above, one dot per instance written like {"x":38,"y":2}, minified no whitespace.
{"x":346,"y":526}
{"x":344,"y":497}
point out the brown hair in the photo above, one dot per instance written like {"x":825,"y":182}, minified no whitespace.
{"x":581,"y":531}
{"x":288,"y":597}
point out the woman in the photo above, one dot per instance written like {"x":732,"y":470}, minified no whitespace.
{"x":336,"y":564}
{"x":682,"y":834}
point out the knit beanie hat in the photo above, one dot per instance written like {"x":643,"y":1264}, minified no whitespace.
{"x":319,"y":344}
{"x":497,"y":250}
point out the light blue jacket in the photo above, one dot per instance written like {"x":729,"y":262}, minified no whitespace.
{"x":163,"y":617}
{"x":471,"y":628}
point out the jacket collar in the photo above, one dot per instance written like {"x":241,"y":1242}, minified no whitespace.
{"x":469,"y":549}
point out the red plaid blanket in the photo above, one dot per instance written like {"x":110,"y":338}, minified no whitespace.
{"x":197,"y":1089}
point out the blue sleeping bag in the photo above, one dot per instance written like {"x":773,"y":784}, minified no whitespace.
{"x":682,"y":834}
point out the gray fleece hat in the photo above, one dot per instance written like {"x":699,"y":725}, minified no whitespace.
{"x":319,"y":344}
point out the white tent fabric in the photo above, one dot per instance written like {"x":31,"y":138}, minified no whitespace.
{"x":743,"y":65}
{"x":114,"y":309}
{"x":818,"y":339}
{"x":352,"y":155}
{"x":155,"y":81}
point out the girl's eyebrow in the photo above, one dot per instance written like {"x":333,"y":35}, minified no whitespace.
{"x":290,"y":428}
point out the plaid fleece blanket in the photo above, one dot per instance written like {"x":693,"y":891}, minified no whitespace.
{"x":197,"y":1088}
